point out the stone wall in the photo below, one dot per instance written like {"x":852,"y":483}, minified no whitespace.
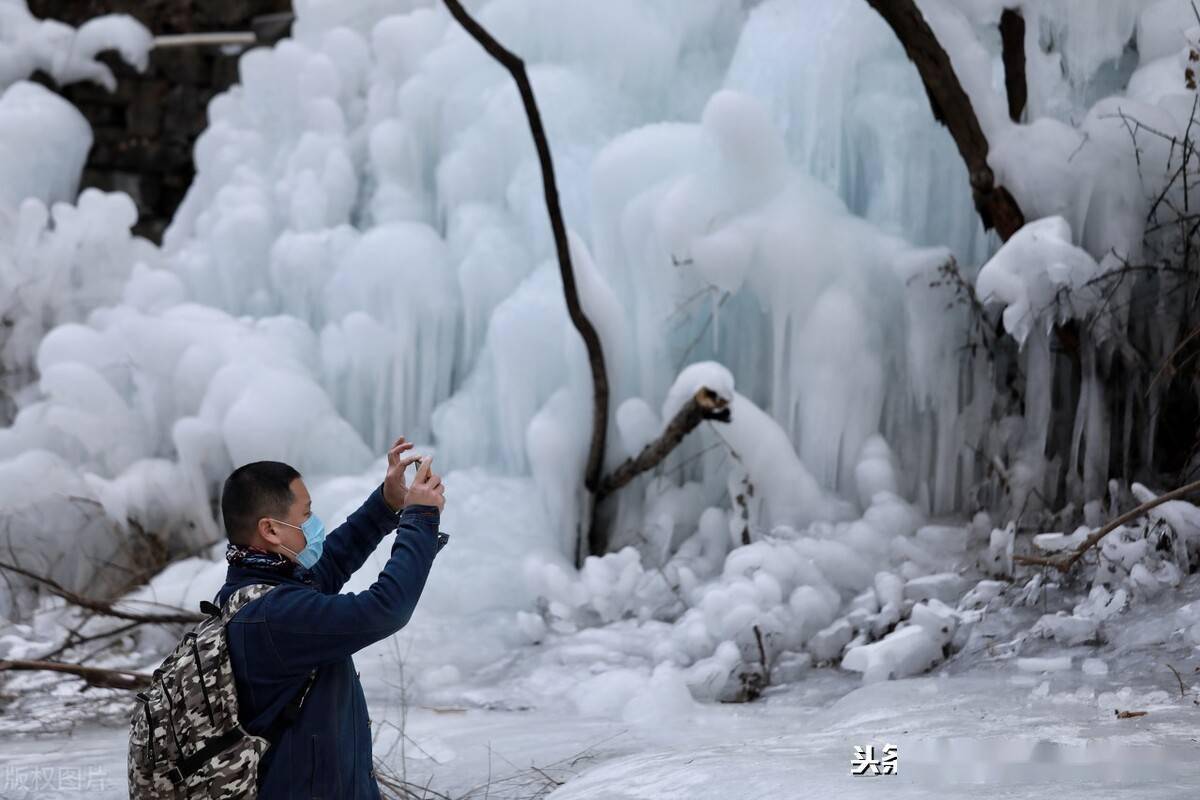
{"x":145,"y":130}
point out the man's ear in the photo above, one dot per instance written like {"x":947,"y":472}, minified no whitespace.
{"x":266,"y":531}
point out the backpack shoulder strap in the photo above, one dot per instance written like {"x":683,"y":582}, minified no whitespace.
{"x":291,"y":711}
{"x":243,"y":596}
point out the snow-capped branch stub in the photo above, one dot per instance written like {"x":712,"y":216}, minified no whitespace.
{"x":701,"y":375}
{"x":1039,"y":275}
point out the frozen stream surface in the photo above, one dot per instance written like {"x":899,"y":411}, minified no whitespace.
{"x":955,"y":734}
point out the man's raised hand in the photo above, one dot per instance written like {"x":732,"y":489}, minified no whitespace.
{"x":395,"y":491}
{"x":427,"y":488}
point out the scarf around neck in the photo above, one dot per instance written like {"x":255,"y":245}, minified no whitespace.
{"x":242,"y":555}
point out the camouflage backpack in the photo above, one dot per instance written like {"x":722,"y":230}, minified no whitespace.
{"x":185,"y":739}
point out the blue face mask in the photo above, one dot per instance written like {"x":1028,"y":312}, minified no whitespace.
{"x":314,"y":537}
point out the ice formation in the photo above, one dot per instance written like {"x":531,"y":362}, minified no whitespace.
{"x":759,"y":202}
{"x":64,"y":53}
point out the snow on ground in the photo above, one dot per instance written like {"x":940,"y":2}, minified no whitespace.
{"x":1022,"y":710}
{"x":990,"y":727}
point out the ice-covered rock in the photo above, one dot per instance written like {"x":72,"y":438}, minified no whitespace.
{"x":1101,"y":604}
{"x":1048,"y":664}
{"x":889,"y":588}
{"x":938,"y":619}
{"x":906,"y":651}
{"x":827,"y":644}
{"x":947,"y":539}
{"x":790,"y":667}
{"x":998,"y":560}
{"x":1066,"y":629}
{"x":947,"y":587}
{"x":1056,"y":542}
{"x":982,"y":594}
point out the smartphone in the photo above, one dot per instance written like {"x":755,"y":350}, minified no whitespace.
{"x":424,"y":467}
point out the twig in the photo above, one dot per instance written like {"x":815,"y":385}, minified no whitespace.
{"x":101,"y":607}
{"x":74,"y":640}
{"x":1167,"y":362}
{"x":1178,"y":677}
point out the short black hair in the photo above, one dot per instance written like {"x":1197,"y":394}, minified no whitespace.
{"x":253,"y":491}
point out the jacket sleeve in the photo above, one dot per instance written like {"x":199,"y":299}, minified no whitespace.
{"x":348,"y":545}
{"x":308,"y":628}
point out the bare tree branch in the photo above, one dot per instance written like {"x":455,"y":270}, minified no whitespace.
{"x":1064,"y":561}
{"x":516,"y":68}
{"x":100,"y":606}
{"x":952,"y":107}
{"x":95,"y":676}
{"x":1012,"y":41}
{"x":705,"y":404}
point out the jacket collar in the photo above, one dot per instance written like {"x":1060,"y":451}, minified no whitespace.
{"x":238,"y":576}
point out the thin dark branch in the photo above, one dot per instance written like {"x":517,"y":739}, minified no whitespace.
{"x":74,"y":639}
{"x":1012,"y":39}
{"x":516,"y":67}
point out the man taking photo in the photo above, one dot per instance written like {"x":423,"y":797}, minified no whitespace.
{"x":302,"y":633}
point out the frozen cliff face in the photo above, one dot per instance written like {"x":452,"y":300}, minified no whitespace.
{"x":365,"y":252}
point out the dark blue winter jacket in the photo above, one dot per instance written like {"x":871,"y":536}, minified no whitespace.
{"x":276,"y":641}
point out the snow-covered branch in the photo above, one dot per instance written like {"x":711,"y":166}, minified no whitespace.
{"x":1064,"y":561}
{"x":705,"y":404}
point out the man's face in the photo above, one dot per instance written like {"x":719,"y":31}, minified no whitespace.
{"x":300,"y":510}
